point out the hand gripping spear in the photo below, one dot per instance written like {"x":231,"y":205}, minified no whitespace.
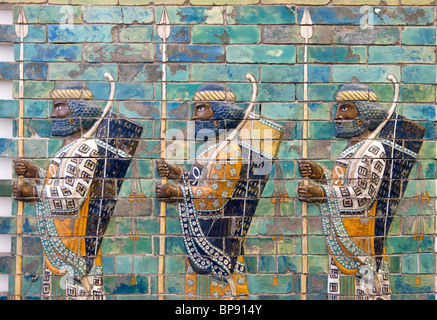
{"x":163,"y":31}
{"x":306,"y":32}
{"x":21,"y":30}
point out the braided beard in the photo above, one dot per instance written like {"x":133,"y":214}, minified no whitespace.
{"x":212,"y":128}
{"x":350,"y":128}
{"x":64,"y":128}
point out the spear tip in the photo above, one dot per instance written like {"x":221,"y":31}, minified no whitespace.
{"x":306,"y":29}
{"x":164,"y":25}
{"x":21,"y":27}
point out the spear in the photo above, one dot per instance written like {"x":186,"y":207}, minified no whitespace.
{"x":163,"y":30}
{"x":435,"y":213}
{"x":21,"y":30}
{"x":306,"y":32}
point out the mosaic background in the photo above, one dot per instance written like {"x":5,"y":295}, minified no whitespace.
{"x":81,"y":40}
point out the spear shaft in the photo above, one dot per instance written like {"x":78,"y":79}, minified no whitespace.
{"x":163,"y":33}
{"x":21,"y":30}
{"x":306,"y":32}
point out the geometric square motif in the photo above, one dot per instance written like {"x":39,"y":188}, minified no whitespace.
{"x":84,"y":148}
{"x":90,"y":165}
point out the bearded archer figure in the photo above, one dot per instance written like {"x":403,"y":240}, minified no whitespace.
{"x":359,"y":197}
{"x":218,"y":197}
{"x":75,"y":196}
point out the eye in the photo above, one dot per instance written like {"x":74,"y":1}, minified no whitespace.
{"x":200,"y":108}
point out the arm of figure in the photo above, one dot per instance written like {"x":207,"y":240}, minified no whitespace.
{"x":169,"y":170}
{"x":26,"y":168}
{"x":23,"y":190}
{"x":359,"y":190}
{"x":67,"y":192}
{"x":310,"y":169}
{"x":168,"y":192}
{"x":311,"y":193}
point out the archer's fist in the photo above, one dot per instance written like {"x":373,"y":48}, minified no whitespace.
{"x":24,"y":168}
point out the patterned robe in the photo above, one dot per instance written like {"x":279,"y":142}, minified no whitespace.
{"x":349,"y":224}
{"x":62,"y":218}
{"x":215,"y":216}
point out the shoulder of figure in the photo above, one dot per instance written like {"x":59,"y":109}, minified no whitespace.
{"x":375,"y":148}
{"x":231,"y":150}
{"x":88,"y":148}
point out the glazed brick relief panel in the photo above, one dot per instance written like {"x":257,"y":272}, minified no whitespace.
{"x":187,"y":151}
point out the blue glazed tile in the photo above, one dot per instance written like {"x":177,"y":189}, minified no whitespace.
{"x":35,"y":70}
{"x":192,"y":15}
{"x":419,"y":74}
{"x":226,"y":34}
{"x":281,"y":73}
{"x":50,"y":14}
{"x":9,"y":71}
{"x":153,"y":72}
{"x":191,"y":53}
{"x":220,"y":72}
{"x":82,"y":71}
{"x":318,"y":92}
{"x":261,"y":53}
{"x":424,"y":112}
{"x":271,"y":92}
{"x":134,"y":91}
{"x":267,"y":264}
{"x":178,"y":34}
{"x":124,"y":264}
{"x":123,"y":285}
{"x":8,"y":148}
{"x":417,"y":93}
{"x":135,"y":33}
{"x":282,"y":111}
{"x":32,"y":71}
{"x":6,"y":264}
{"x":321,"y":130}
{"x":337,"y":15}
{"x":145,"y":264}
{"x":321,"y":54}
{"x":262,"y":284}
{"x":137,"y":15}
{"x":319,"y":73}
{"x":37,"y":33}
{"x":345,"y":73}
{"x":103,"y":14}
{"x":35,"y":109}
{"x":178,"y":111}
{"x":118,"y":52}
{"x":419,"y":36}
{"x":397,"y":54}
{"x":7,"y":33}
{"x":50,"y":52}
{"x":80,"y":33}
{"x":32,"y":246}
{"x":410,"y":264}
{"x":8,"y":108}
{"x":260,"y":14}
{"x":353,"y":54}
{"x":403,"y":15}
{"x":372,"y":36}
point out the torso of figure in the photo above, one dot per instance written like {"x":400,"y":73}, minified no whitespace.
{"x":360,"y":226}
{"x":214,"y":180}
{"x":67,"y":189}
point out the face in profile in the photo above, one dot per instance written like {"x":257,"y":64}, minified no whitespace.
{"x":346,"y":123}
